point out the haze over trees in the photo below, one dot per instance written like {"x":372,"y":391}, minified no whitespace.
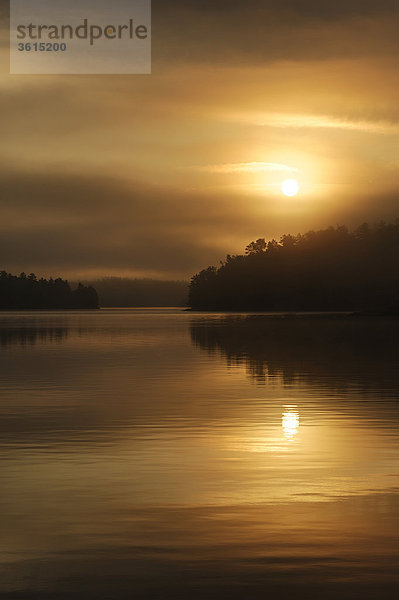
{"x":125,"y":292}
{"x":26,"y":292}
{"x":333,"y":269}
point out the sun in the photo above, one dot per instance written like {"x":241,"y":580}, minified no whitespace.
{"x":290,"y":187}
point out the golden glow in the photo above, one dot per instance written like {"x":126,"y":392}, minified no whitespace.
{"x":290,"y":423}
{"x":290,"y":187}
{"x":315,"y":121}
{"x":248,"y":167}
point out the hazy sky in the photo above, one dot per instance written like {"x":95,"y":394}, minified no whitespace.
{"x":162,"y":175}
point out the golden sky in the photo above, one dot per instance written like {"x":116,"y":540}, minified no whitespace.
{"x":162,"y":175}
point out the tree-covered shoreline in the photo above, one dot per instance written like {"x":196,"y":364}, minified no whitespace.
{"x":26,"y":292}
{"x":334,"y":269}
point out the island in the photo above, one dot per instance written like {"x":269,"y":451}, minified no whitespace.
{"x":27,"y":292}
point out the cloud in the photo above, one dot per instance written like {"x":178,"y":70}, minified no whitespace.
{"x":266,"y":31}
{"x":250,"y":167}
{"x":261,"y":31}
{"x":58,"y":223}
{"x":303,"y":121}
{"x":322,"y":9}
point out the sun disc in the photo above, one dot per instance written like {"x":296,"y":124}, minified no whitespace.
{"x":290,"y":187}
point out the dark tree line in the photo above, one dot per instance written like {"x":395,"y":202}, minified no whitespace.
{"x":26,"y":292}
{"x":331,"y":269}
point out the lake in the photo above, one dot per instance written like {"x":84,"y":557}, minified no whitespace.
{"x":157,"y":453}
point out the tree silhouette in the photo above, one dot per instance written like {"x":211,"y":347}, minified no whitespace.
{"x":256,"y":247}
{"x":331,"y":269}
{"x":29,"y":293}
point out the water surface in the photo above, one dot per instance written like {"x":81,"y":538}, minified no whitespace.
{"x":166,"y":454}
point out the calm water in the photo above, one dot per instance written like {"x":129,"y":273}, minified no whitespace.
{"x":165,"y":454}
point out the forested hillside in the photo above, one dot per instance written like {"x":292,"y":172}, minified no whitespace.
{"x":330,"y":269}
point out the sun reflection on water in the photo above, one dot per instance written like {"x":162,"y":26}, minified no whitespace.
{"x":290,"y":422}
